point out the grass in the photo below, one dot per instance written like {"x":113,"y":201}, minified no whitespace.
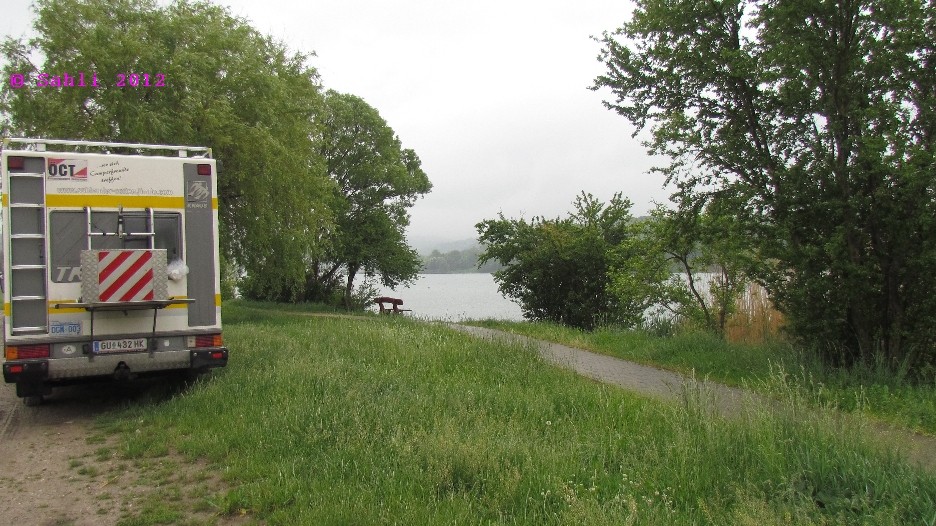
{"x":872,"y":391}
{"x":754,"y":320}
{"x":700,"y":353}
{"x":387,"y":420}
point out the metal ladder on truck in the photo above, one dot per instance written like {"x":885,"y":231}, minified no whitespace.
{"x":28,"y":309}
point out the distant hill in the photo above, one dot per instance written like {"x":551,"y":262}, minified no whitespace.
{"x":463,"y":261}
{"x":426,"y":244}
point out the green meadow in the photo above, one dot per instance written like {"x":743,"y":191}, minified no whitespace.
{"x":387,"y":420}
{"x":874,"y":391}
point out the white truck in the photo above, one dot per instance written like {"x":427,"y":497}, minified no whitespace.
{"x":110,"y":263}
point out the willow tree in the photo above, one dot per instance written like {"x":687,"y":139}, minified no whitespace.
{"x":376,"y":181}
{"x":213,"y":81}
{"x":819,"y":119}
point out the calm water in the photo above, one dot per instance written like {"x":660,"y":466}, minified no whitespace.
{"x":455,"y":297}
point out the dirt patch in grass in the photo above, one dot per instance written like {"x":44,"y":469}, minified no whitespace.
{"x":57,"y":469}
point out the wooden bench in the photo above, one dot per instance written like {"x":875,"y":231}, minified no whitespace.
{"x":390,"y":305}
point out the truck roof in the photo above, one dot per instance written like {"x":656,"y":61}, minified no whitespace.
{"x":41,"y":145}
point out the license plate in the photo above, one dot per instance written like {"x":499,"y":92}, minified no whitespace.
{"x":115,"y":346}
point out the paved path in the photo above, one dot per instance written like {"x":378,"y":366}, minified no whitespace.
{"x":651,"y":381}
{"x":665,"y":385}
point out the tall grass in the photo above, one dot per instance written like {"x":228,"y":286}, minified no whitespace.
{"x":755,"y":320}
{"x":872,"y":390}
{"x":393,"y":421}
{"x":878,"y":388}
{"x":686,"y":351}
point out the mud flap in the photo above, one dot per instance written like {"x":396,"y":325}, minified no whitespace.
{"x":29,"y":378}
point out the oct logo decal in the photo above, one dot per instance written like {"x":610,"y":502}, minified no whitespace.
{"x":67,"y":169}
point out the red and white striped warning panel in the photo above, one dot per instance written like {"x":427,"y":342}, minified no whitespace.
{"x":125,"y":276}
{"x":111,"y":276}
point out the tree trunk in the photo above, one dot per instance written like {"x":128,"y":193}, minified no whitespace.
{"x":349,"y":287}
{"x":709,"y":324}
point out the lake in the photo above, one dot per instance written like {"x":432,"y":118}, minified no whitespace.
{"x":458,"y":297}
{"x":455,"y":297}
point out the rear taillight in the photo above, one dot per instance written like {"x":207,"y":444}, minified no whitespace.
{"x":204,"y":169}
{"x":27,"y":352}
{"x":205,"y":340}
{"x":16,"y":163}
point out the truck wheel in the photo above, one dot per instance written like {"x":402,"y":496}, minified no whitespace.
{"x":33,"y":401}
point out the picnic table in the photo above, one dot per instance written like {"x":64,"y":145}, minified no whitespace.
{"x":390,"y":305}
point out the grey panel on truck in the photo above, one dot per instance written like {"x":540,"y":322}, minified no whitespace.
{"x":199,"y":246}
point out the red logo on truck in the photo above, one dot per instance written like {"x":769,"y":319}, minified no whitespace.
{"x":68,"y":169}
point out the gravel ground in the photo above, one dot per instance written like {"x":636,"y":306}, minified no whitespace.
{"x":56,"y":469}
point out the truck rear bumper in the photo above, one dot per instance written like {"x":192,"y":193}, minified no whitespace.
{"x":34,"y":377}
{"x":209,"y":358}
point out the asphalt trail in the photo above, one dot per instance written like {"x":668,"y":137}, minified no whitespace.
{"x":918,"y":449}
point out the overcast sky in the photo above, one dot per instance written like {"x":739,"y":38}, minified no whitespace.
{"x":492,"y":96}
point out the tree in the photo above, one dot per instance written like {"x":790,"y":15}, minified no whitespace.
{"x":557,"y":269}
{"x":641,"y":277}
{"x":225,"y":86}
{"x":818,"y":119}
{"x":376,"y":182}
{"x":662,"y":266}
